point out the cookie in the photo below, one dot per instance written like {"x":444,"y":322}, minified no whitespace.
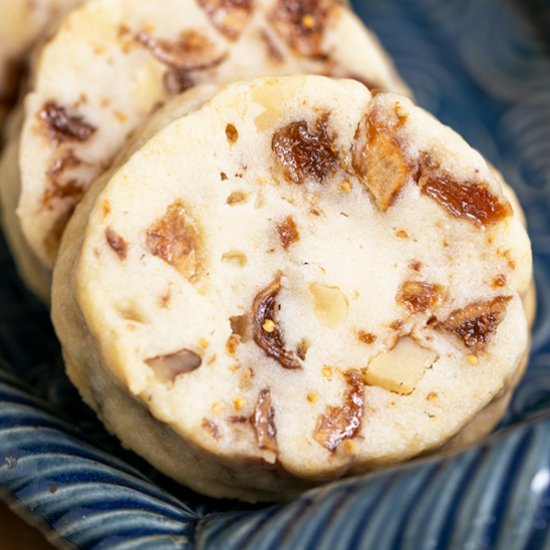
{"x":113,"y":62}
{"x":295,"y":282}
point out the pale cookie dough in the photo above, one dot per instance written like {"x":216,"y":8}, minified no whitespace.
{"x":112,"y":62}
{"x":293,"y":283}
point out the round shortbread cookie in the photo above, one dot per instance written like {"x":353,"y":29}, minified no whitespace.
{"x":112,"y":62}
{"x":293,"y":283}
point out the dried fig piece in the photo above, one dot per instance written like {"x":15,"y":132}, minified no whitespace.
{"x":304,"y":154}
{"x":117,"y":243}
{"x":175,"y":239}
{"x":471,"y":201}
{"x":267,"y":334}
{"x":418,"y":296}
{"x":168,"y":367}
{"x":193,"y":52}
{"x":340,"y":423}
{"x":62,"y":126}
{"x":302,"y":23}
{"x":288,"y":232}
{"x":263,"y":422}
{"x":378,"y":161}
{"x":475,"y":323}
{"x":228,"y":16}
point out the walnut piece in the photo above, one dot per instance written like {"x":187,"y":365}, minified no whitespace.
{"x":379,"y":161}
{"x":266,"y":331}
{"x":62,"y":126}
{"x":419,"y":297}
{"x":400,"y":369}
{"x":228,"y":16}
{"x":475,"y":324}
{"x":175,"y":239}
{"x":263,"y":422}
{"x":168,"y":367}
{"x":304,"y":154}
{"x":331,"y":304}
{"x":340,"y":423}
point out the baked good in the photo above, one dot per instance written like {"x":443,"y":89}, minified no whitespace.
{"x":295,"y":282}
{"x":112,"y":62}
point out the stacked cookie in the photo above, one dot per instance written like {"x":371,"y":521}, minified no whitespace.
{"x":272,"y":283}
{"x":111,"y":63}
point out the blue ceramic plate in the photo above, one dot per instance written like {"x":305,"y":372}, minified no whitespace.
{"x":483,"y":67}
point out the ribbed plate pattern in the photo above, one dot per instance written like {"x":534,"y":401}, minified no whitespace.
{"x":483,"y":67}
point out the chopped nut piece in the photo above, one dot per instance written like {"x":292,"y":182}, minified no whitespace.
{"x":236,"y":197}
{"x":168,"y":367}
{"x":345,"y":186}
{"x":269,"y":325}
{"x":303,"y":154}
{"x":432,"y":396}
{"x":228,"y":16}
{"x":235,"y":256}
{"x":302,"y":348}
{"x":366,"y":337}
{"x":331,"y":304}
{"x":499,"y":281}
{"x":117,"y":243}
{"x":217,"y":407}
{"x":203,"y":343}
{"x":475,"y":324}
{"x":245,"y":382}
{"x":341,"y":423}
{"x":327,"y":372}
{"x":288,"y":232}
{"x":302,"y":24}
{"x":416,"y":266}
{"x":400,"y":369}
{"x":263,"y":422}
{"x":419,"y":297}
{"x":175,"y":238}
{"x":379,"y":161}
{"x":231,"y":133}
{"x":61,"y":126}
{"x":239,"y":402}
{"x":313,"y":397}
{"x":232,"y":344}
{"x":264,"y":308}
